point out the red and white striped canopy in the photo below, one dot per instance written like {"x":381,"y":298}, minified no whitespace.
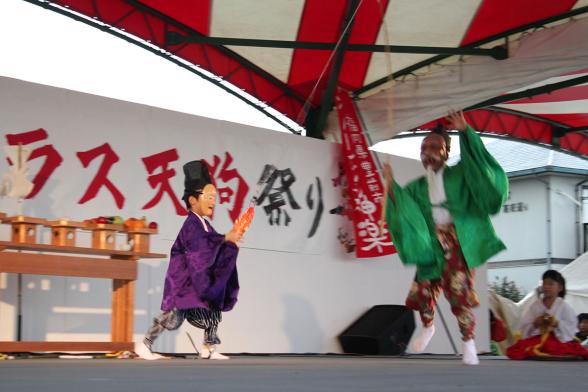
{"x":539,"y":93}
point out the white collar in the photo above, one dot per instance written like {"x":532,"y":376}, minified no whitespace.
{"x":201,"y":220}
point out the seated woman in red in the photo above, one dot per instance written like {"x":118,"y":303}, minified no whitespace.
{"x":549,"y":325}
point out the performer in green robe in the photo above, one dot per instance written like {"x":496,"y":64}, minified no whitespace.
{"x":440,"y":223}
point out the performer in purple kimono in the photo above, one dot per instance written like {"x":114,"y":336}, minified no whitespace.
{"x":201,"y":280}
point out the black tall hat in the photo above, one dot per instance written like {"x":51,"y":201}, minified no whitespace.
{"x":196,"y":176}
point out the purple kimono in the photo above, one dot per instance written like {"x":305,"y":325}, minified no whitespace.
{"x":203,"y":269}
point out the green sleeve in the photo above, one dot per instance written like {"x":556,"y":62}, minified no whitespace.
{"x":485,"y":179}
{"x":408,"y":228}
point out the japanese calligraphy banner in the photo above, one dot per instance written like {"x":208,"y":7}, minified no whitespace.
{"x":93,"y":156}
{"x":365,"y":188}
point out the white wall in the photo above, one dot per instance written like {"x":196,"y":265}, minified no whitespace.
{"x":523,"y":232}
{"x":584,"y":201}
{"x":296,"y":295}
{"x":564,"y":216}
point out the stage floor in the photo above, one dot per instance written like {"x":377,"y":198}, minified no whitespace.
{"x":419,"y":373}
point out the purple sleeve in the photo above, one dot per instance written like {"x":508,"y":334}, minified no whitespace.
{"x":212,"y":265}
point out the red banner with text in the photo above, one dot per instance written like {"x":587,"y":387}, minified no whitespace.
{"x":365,"y":188}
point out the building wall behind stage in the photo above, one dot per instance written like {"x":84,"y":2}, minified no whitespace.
{"x":540,"y":225}
{"x":297,"y":292}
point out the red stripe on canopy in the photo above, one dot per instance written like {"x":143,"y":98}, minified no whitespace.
{"x":569,"y":119}
{"x":501,"y":123}
{"x":368,"y":22}
{"x":575,"y":142}
{"x":517,"y":126}
{"x":197,"y":18}
{"x":321,"y":22}
{"x":492,"y":19}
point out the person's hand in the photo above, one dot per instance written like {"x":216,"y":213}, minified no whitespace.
{"x":538,"y":322}
{"x":387,"y":174}
{"x":233,"y":236}
{"x":555,"y":324}
{"x":456,"y":120}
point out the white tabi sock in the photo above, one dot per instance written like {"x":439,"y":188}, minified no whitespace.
{"x":209,"y":352}
{"x":423,"y":339}
{"x":144,"y":352}
{"x":470,"y":354}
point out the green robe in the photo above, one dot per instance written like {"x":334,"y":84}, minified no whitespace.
{"x":475,"y":188}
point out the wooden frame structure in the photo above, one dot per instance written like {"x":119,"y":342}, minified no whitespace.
{"x":57,"y":260}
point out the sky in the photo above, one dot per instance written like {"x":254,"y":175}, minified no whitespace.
{"x":41,"y":46}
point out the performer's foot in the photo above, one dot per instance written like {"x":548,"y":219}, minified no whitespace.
{"x":144,"y":352}
{"x":209,"y":352}
{"x":423,"y":339}
{"x":218,"y":356}
{"x":470,"y":355}
{"x":204,"y":353}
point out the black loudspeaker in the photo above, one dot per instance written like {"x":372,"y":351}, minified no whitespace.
{"x":382,"y":330}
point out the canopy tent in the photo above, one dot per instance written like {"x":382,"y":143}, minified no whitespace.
{"x":519,"y":67}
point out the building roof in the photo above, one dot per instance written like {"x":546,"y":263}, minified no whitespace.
{"x":518,"y":159}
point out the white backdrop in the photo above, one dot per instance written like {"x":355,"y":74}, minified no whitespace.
{"x":298,"y":292}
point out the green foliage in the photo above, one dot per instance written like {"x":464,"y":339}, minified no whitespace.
{"x":507,"y":289}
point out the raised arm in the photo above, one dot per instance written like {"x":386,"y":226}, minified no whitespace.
{"x":388,"y":176}
{"x":485,"y":179}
